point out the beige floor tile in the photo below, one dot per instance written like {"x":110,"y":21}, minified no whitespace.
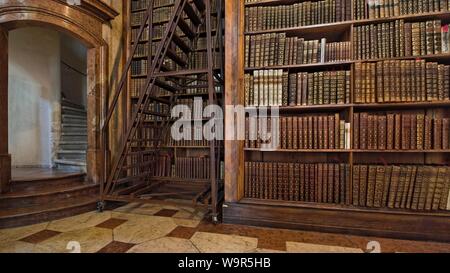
{"x":212,"y":242}
{"x":165,"y":245}
{"x":90,"y":239}
{"x":16,"y":247}
{"x":264,"y":250}
{"x":14,"y":234}
{"x":313,"y":248}
{"x":186,"y":222}
{"x":145,"y":209}
{"x":142,"y":229}
{"x":85,"y":220}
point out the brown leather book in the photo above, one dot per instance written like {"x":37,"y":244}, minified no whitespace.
{"x":390,"y":132}
{"x":413,"y":133}
{"x":355,"y":185}
{"x":319,"y":183}
{"x":307,"y":185}
{"x":371,"y":181}
{"x":440,"y":183}
{"x":301,"y":134}
{"x":315,"y":132}
{"x":401,"y":185}
{"x":417,"y":187}
{"x":427,"y":172}
{"x":247,"y":179}
{"x":386,"y":185}
{"x":431,"y":188}
{"x":283,"y":132}
{"x":297,"y":181}
{"x":363,"y":185}
{"x":289,"y":129}
{"x":270,"y":181}
{"x":420,"y":119}
{"x":332,"y":141}
{"x":337,"y":132}
{"x":445,"y":133}
{"x":397,"y":131}
{"x":294,"y":140}
{"x":370,"y":132}
{"x":406,"y":131}
{"x":342,"y":183}
{"x":326,"y":133}
{"x":427,"y":133}
{"x":395,"y":176}
{"x":325,"y":183}
{"x":363,"y":131}
{"x":310,"y":129}
{"x":356,"y":131}
{"x":382,"y":124}
{"x":320,"y":132}
{"x":302,"y":182}
{"x":437,"y":134}
{"x":379,"y":186}
{"x":411,"y":185}
{"x":336,"y":186}
{"x":443,"y":204}
{"x":291,"y":182}
{"x":330,"y":190}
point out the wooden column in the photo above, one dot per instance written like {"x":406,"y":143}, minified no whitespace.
{"x":234,"y":74}
{"x":5,"y":158}
{"x":96,"y":88}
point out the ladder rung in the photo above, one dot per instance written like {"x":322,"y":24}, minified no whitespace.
{"x":200,"y":5}
{"x":192,"y":14}
{"x":175,"y":57}
{"x":154,"y":113}
{"x":182,"y":73}
{"x":186,"y":28}
{"x":181,"y":43}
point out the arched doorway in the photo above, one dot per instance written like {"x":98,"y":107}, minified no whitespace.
{"x":83,"y":22}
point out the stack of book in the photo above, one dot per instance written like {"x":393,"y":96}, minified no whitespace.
{"x":400,"y":131}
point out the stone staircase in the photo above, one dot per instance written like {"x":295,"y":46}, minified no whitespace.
{"x":73,"y":145}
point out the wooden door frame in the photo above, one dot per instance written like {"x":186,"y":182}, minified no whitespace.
{"x":84,"y":22}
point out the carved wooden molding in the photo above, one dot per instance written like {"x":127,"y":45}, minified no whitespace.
{"x":97,"y":8}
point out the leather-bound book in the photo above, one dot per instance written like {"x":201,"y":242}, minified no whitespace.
{"x":379,"y":186}
{"x":337,"y":185}
{"x":332,"y":141}
{"x":302,"y":182}
{"x":319,"y":183}
{"x":305,"y":92}
{"x":297,"y":180}
{"x":281,"y":48}
{"x":437,"y":43}
{"x":355,"y":130}
{"x":358,"y":83}
{"x":307,"y":185}
{"x":289,"y":128}
{"x":440,"y":82}
{"x":437,"y":134}
{"x":342,"y":183}
{"x":270,"y":190}
{"x":330,"y":190}
{"x":283,"y":130}
{"x":355,"y":185}
{"x":445,"y":133}
{"x":292,"y":89}
{"x":294,"y":141}
{"x":395,"y":177}
{"x":299,"y":90}
{"x":406,"y":131}
{"x":390,"y":132}
{"x":326,"y":133}
{"x":371,"y":181}
{"x":348,"y":185}
{"x":427,"y":172}
{"x":310,"y":129}
{"x":419,"y":183}
{"x":427,"y":133}
{"x":247,"y":179}
{"x":401,"y":186}
{"x":363,"y":185}
{"x":429,"y":37}
{"x":291,"y":181}
{"x":301,"y":135}
{"x":363,"y":131}
{"x":285,"y":89}
{"x":397,"y":131}
{"x":370,"y":132}
{"x":382,"y":124}
{"x":320,"y":132}
{"x":386,"y":185}
{"x":411,"y":185}
{"x":440,"y":183}
{"x":443,"y":204}
{"x":325,"y":183}
{"x":413,"y":133}
{"x":431,"y":188}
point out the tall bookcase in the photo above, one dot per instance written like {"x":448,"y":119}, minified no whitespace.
{"x":184,"y":168}
{"x":345,"y":212}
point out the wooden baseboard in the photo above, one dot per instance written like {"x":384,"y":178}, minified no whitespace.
{"x":366,"y":223}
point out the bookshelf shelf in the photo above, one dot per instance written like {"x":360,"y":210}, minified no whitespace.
{"x":257,"y":165}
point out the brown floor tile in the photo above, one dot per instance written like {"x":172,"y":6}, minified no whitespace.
{"x":111,"y":223}
{"x":272,"y":243}
{"x":166,"y":212}
{"x":40,"y":236}
{"x":182,"y":232}
{"x":116,"y":247}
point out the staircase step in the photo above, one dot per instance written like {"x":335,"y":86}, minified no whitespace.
{"x":44,"y":194}
{"x":72,"y":152}
{"x":70,"y":116}
{"x":181,"y":43}
{"x":184,"y":26}
{"x":176,"y":58}
{"x":190,"y":12}
{"x":74,"y":125}
{"x":74,"y":134}
{"x":78,"y":163}
{"x":54,"y":180}
{"x":200,"y":5}
{"x":73,"y":109}
{"x":50,"y":211}
{"x":65,"y":102}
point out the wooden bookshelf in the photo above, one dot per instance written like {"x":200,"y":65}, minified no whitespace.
{"x":326,"y":217}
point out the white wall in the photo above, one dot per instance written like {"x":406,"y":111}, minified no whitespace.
{"x":34,"y":96}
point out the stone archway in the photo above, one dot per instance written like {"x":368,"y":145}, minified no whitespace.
{"x":85,"y":22}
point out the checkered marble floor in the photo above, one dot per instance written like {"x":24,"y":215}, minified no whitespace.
{"x":137,"y":228}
